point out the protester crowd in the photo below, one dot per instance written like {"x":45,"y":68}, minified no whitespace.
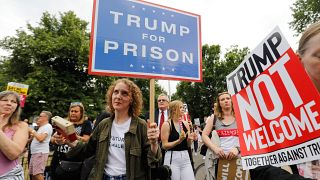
{"x":121,"y":145}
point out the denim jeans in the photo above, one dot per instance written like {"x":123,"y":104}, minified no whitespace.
{"x":109,"y":177}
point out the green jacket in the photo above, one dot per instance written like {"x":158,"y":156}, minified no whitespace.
{"x":138,"y":154}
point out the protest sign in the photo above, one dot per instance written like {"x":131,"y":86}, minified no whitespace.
{"x":196,"y":121}
{"x":276,"y":106}
{"x":232,"y":170}
{"x":21,"y":89}
{"x":141,"y":39}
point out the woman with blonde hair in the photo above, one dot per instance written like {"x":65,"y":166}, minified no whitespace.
{"x":13,"y":136}
{"x":224,"y":121}
{"x":176,"y":137}
{"x":76,"y":115}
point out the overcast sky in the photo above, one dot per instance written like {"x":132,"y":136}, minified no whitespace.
{"x":224,"y":22}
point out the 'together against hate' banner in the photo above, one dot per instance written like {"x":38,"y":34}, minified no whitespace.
{"x":276,"y":106}
{"x":141,"y":39}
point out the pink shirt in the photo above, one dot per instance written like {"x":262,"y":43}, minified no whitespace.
{"x":5,"y":164}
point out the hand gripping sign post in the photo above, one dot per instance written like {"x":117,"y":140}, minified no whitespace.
{"x":140,"y":39}
{"x":276,"y":106}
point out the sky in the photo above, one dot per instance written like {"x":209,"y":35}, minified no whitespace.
{"x":224,"y":22}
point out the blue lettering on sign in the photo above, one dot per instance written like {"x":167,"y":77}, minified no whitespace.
{"x":137,"y":38}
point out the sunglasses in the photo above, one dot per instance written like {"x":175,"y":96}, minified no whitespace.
{"x":222,"y":93}
{"x":76,"y":104}
{"x":162,"y":100}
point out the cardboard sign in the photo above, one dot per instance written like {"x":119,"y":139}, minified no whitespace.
{"x":64,"y":127}
{"x":21,"y":89}
{"x":140,"y":39}
{"x":276,"y":106}
{"x":197,"y":121}
{"x":232,"y":170}
{"x":18,"y":87}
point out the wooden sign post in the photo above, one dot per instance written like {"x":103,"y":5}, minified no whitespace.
{"x":151,"y":100}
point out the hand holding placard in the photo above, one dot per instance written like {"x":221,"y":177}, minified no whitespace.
{"x":64,"y":127}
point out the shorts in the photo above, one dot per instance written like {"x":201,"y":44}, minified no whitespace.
{"x":38,"y":163}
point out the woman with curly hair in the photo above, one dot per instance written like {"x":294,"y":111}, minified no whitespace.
{"x":124,"y":146}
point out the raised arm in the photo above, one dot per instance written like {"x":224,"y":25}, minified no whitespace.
{"x":165,"y":132}
{"x":12,"y":149}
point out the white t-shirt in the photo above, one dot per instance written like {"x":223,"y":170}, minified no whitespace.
{"x":116,"y":164}
{"x":42,"y":147}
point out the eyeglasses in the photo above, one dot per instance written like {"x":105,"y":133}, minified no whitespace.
{"x":162,"y":100}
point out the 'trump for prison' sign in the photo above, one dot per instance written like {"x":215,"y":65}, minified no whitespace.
{"x":141,"y":39}
{"x":276,"y":105}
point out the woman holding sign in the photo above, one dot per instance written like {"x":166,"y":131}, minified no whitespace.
{"x":124,"y":146}
{"x":13,"y":136}
{"x":224,"y":122}
{"x":76,"y":115}
{"x":176,"y":137}
{"x":309,"y":55}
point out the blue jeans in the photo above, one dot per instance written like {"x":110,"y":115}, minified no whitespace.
{"x":109,"y":177}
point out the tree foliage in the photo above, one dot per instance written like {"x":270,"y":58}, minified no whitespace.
{"x":304,"y":12}
{"x":200,"y":96}
{"x":52,"y":58}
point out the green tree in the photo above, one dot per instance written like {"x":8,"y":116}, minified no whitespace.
{"x":304,"y":12}
{"x":52,"y":58}
{"x":200,"y":96}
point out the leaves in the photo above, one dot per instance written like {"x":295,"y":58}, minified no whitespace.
{"x":201,"y":96}
{"x":305,"y":12}
{"x":52,"y":58}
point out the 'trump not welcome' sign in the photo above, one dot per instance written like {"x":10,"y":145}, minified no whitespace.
{"x":141,"y":39}
{"x":276,"y":105}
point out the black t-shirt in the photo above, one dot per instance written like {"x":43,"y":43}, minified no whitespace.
{"x":61,"y":150}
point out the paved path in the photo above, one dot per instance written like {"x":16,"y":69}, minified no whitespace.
{"x":198,"y":159}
